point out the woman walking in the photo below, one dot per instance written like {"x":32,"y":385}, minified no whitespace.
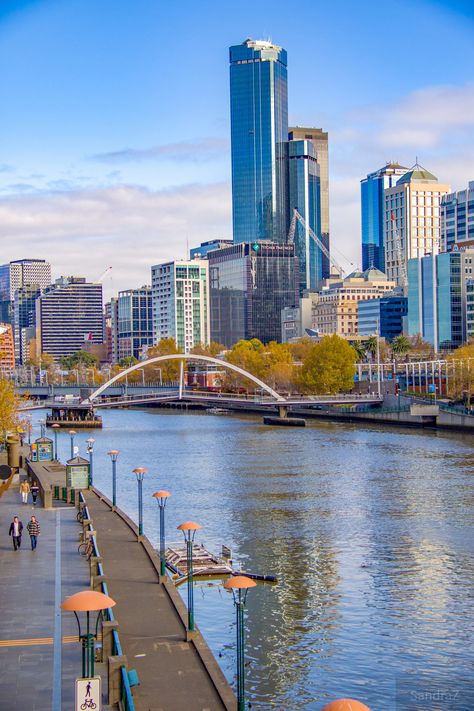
{"x":24,"y":490}
{"x":34,"y":531}
{"x":34,"y":492}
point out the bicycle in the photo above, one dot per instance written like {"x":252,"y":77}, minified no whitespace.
{"x":88,"y":705}
{"x":86,"y":548}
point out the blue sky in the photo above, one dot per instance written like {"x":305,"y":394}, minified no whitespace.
{"x":114,"y":116}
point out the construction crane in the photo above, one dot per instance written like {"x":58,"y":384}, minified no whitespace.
{"x":103,"y":275}
{"x":402,"y":267}
{"x":291,"y":239}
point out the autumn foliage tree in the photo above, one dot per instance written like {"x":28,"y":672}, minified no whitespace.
{"x":9,"y":418}
{"x":169,"y":369}
{"x":328,"y":368}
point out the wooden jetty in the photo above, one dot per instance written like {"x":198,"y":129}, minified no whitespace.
{"x":205,"y":563}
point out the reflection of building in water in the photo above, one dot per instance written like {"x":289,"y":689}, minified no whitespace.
{"x":293,"y":546}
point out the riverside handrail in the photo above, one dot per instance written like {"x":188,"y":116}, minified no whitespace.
{"x":126,"y":697}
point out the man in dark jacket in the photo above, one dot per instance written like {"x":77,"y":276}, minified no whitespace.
{"x":16,"y":528}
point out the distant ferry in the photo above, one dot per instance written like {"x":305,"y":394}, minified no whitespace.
{"x":73,"y":417}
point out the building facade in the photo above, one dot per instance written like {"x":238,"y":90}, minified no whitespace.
{"x":336,"y":309}
{"x":201,"y":252}
{"x":412,"y":220}
{"x":384,"y":316}
{"x":68,"y":314}
{"x":305,"y":196}
{"x":134,"y":322}
{"x":180,"y":298}
{"x":7,"y":351}
{"x":16,"y":274}
{"x":438,"y":287}
{"x":297,"y":321}
{"x":372,"y":200}
{"x":24,"y":320}
{"x":259,"y":135}
{"x":319,"y":140}
{"x":250,"y":284}
{"x":457,"y":219}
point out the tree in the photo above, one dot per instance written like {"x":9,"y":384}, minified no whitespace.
{"x":79,"y":358}
{"x":128,"y":361}
{"x":212,"y":350}
{"x":300,"y":349}
{"x":461,"y":372}
{"x":400,"y":345}
{"x":360,"y":351}
{"x":329,"y":368}
{"x":420,"y":347}
{"x":9,"y":419}
{"x":371,"y":345}
{"x":169,"y":369}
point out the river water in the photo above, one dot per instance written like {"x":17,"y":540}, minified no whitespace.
{"x":368,"y":529}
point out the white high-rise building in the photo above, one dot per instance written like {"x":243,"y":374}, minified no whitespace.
{"x":412,"y":209}
{"x":180,"y":297}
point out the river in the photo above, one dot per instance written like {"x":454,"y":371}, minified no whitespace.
{"x":368,"y":529}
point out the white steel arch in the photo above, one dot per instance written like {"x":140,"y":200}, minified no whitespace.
{"x":183,"y":357}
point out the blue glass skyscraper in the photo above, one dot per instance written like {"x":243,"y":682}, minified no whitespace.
{"x":305,"y":196}
{"x":259,"y":134}
{"x":372,"y":204}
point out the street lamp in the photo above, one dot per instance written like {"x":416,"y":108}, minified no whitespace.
{"x":161,"y":498}
{"x":113,"y":454}
{"x":55,"y":429}
{"x":87,"y":601}
{"x":345,"y":705}
{"x":90,"y":452}
{"x":140,"y":473}
{"x":189,"y":529}
{"x":71,"y":434}
{"x":42,"y":427}
{"x":239,"y":586}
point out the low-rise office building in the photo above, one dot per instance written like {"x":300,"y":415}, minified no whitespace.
{"x":384,"y":316}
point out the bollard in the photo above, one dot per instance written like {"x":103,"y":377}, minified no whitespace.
{"x":114,"y":679}
{"x":94,"y":565}
{"x":107,"y":638}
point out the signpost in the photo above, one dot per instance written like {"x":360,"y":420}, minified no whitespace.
{"x":88,"y":694}
{"x":77,"y":473}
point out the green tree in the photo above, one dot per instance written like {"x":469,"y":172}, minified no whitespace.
{"x":461,"y":373}
{"x":359,"y":348}
{"x":400,"y":345}
{"x":79,"y":358}
{"x":371,"y":345}
{"x":329,"y":368}
{"x":128,"y":361}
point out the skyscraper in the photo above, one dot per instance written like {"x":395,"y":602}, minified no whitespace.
{"x":372,"y":212}
{"x":457,"y":219}
{"x":319,"y":139}
{"x":134,"y":322}
{"x":20,"y":273}
{"x":412,"y":219}
{"x":259,"y":133}
{"x":305,"y":196}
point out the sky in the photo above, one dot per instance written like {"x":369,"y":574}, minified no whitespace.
{"x":114,"y":117}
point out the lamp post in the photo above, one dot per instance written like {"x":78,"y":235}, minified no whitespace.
{"x":113,"y":454}
{"x":140,"y":473}
{"x":55,"y":429}
{"x":239,"y":586}
{"x":90,"y":452}
{"x":189,"y":529}
{"x":71,"y":434}
{"x":161,"y":499}
{"x":87,"y":601}
{"x":42,"y":427}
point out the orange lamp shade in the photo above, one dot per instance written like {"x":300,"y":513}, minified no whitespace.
{"x":87,"y":601}
{"x":189,"y":526}
{"x":240,"y":582}
{"x":56,"y":426}
{"x":72,"y":432}
{"x":345,"y":705}
{"x":140,"y":470}
{"x":162,"y":494}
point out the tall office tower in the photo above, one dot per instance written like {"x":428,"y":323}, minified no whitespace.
{"x":372,"y":212}
{"x":259,"y":134}
{"x":68,"y":314}
{"x":20,"y":273}
{"x":457,"y":219}
{"x":24,"y":320}
{"x":439,"y":294}
{"x":135,"y":321}
{"x":180,"y":294}
{"x":250,"y":285}
{"x":319,"y":139}
{"x":412,"y":219}
{"x":305,"y":196}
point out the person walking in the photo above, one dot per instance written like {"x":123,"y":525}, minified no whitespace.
{"x":16,"y":528}
{"x":34,"y":492}
{"x":34,"y":531}
{"x":24,"y":490}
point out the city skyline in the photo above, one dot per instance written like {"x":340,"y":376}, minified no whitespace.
{"x":107,"y":142}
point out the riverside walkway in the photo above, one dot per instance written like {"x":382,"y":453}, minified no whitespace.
{"x":40,"y":655}
{"x":175,"y":674}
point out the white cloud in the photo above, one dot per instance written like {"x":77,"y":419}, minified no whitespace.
{"x":187,"y":151}
{"x":129,"y":227}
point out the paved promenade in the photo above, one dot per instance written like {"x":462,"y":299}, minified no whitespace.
{"x":39,"y":653}
{"x":172,"y":672}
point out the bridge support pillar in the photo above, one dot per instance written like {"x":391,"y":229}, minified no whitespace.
{"x":283,"y":411}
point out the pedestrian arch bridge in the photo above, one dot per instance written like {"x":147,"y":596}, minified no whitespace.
{"x":268,"y":396}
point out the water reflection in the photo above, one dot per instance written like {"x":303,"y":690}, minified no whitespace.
{"x":366,"y":530}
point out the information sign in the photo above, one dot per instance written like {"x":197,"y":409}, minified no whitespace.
{"x":88,"y":694}
{"x":45,"y":451}
{"x":77,"y":476}
{"x":33,"y":452}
